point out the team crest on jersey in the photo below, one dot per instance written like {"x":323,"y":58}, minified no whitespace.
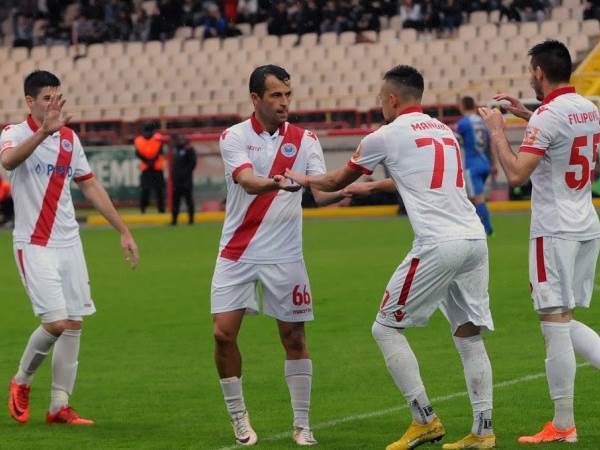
{"x":289,"y":150}
{"x":66,"y":145}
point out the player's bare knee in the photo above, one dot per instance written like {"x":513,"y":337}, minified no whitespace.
{"x":56,"y":328}
{"x":294,"y":341}
{"x":467,"y":330}
{"x":224,"y":337}
{"x":560,"y":314}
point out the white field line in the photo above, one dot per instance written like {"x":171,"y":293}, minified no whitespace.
{"x":384,"y":412}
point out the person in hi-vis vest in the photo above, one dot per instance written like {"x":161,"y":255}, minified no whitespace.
{"x":148,"y":148}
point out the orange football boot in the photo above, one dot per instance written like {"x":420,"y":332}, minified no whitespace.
{"x":18,"y":401}
{"x":67,"y":415}
{"x":550,"y":434}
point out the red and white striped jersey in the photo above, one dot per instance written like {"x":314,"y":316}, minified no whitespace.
{"x":265,"y":228}
{"x":565,"y":131}
{"x":44,"y":213}
{"x":423,"y":158}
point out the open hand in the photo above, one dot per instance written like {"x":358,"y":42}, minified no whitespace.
{"x":54,"y":120}
{"x":286,"y":184}
{"x":299,"y":178}
{"x":130,"y":250}
{"x":357,"y":190}
{"x":493,"y":119}
{"x":514,"y":106}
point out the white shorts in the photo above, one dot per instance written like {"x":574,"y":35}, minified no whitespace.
{"x":562,"y":272}
{"x":286,"y":289}
{"x":56,"y":280}
{"x":452,"y":276}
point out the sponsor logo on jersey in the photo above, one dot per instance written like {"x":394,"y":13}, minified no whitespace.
{"x":66,"y":145}
{"x":253,"y":148}
{"x":38,"y":169}
{"x":289,"y":150}
{"x":530,"y":135}
{"x":60,"y":170}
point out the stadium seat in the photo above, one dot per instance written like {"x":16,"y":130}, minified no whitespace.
{"x":479,"y":18}
{"x":591,"y":28}
{"x":467,"y":32}
{"x":260,"y":29}
{"x":408,"y":35}
{"x":561,"y":13}
{"x":347,"y":38}
{"x":328,"y":39}
{"x":309,"y":40}
{"x":288,"y":40}
{"x":396,"y":23}
{"x":549,"y":29}
{"x":184,"y":33}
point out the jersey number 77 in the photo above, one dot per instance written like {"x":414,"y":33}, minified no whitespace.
{"x":439,"y":159}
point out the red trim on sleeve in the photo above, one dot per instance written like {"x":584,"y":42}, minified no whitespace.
{"x":539,"y":253}
{"x":534,"y":150}
{"x":238,"y":170}
{"x":87,"y":176}
{"x":359,"y":168}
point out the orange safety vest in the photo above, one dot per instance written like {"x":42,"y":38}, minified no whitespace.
{"x":149,"y":148}
{"x":4,"y":190}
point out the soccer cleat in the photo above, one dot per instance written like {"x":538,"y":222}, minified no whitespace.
{"x":67,"y":415}
{"x":550,"y":434}
{"x":303,"y":436}
{"x":18,"y":401}
{"x":473,"y":441}
{"x":244,"y":434}
{"x":418,"y":434}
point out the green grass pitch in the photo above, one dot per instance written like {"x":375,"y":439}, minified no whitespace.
{"x":146,"y":373}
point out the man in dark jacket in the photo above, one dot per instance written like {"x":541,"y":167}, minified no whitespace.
{"x":184,"y":162}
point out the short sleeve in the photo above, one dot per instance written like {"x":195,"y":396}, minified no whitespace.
{"x":316,"y":160}
{"x":540,"y":132}
{"x":82,"y":167}
{"x":9,"y":137}
{"x":369,"y":153}
{"x":233,"y":153}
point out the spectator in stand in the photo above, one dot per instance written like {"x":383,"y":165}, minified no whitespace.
{"x":591,"y":10}
{"x":141,"y":26}
{"x":149,"y":149}
{"x":278,"y":23}
{"x":85,"y":31}
{"x":431,"y":16}
{"x":365,"y":18}
{"x":7,"y":210}
{"x":410,"y":15}
{"x":451,"y":18}
{"x":509,"y":10}
{"x":532,"y":11}
{"x":184,"y":163}
{"x":23,"y":31}
{"x":216,"y":25}
{"x":308,"y":17}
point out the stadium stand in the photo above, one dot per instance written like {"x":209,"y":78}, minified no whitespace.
{"x":111,"y":86}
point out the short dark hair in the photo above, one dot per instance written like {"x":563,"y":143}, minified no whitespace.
{"x":260,"y":74}
{"x":38,"y":80}
{"x":468,"y":102}
{"x":554,"y":59}
{"x":408,"y":80}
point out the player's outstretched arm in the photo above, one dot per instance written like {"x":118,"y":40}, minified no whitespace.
{"x":97,"y":195}
{"x":514,"y":106}
{"x":254,"y":185}
{"x":13,"y":157}
{"x":370,"y":187}
{"x":328,"y":182}
{"x":517,"y":167}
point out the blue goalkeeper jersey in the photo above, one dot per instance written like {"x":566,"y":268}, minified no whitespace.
{"x":476,"y":140}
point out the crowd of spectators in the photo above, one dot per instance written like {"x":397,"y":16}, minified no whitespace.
{"x":39,"y":22}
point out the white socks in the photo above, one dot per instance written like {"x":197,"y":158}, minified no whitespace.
{"x":298,"y":375}
{"x":478,"y":375}
{"x":234,"y":397}
{"x":404,"y":368}
{"x":37,"y":349}
{"x":586,"y":343}
{"x":560,"y":371}
{"x":64,"y":368}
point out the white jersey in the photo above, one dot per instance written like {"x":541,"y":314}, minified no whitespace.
{"x":266,"y":228}
{"x":565,"y":131}
{"x":423,"y":158}
{"x":44,"y":213}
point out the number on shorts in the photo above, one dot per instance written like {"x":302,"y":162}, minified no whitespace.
{"x":439,"y":160}
{"x":300,"y":298}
